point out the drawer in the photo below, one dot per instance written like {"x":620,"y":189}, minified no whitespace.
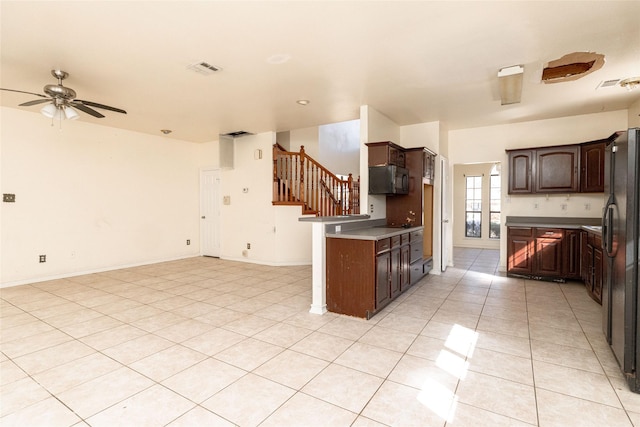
{"x":404,"y":239}
{"x":520,"y":231}
{"x":550,"y":233}
{"x":383,"y":245}
{"x":395,"y":241}
{"x":416,"y":235}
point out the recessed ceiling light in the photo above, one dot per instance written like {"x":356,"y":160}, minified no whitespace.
{"x":166,"y":131}
{"x":303,"y":101}
{"x":278,"y":58}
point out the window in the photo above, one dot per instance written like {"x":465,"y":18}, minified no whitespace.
{"x":494,"y":203}
{"x":473,"y":206}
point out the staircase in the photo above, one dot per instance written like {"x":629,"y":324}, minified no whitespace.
{"x":300,"y":180}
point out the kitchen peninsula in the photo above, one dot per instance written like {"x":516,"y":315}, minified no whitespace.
{"x":366,"y":263}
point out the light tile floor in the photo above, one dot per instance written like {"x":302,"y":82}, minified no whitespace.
{"x":206,"y":342}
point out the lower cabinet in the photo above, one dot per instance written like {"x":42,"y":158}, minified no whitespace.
{"x":546,"y":253}
{"x":591,"y":270}
{"x":363,"y":276}
{"x":556,"y":254}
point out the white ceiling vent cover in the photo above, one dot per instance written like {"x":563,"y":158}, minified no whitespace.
{"x":608,"y":83}
{"x":203,"y":67}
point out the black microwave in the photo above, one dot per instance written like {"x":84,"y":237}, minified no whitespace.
{"x":390,"y":179}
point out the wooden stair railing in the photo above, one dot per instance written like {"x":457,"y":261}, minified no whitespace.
{"x":300,"y":180}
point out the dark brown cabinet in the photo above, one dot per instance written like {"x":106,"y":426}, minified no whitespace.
{"x":591,"y":244}
{"x":548,"y":255}
{"x":520,"y":250}
{"x":556,"y":169}
{"x":571,"y":254}
{"x":577,"y":168}
{"x":520,"y":171}
{"x":592,"y":167}
{"x":551,"y":253}
{"x":363,"y":276}
{"x":386,"y":153}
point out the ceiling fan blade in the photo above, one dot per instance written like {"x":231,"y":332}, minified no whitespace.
{"x":22,"y":91}
{"x":80,"y":106}
{"x":104,"y":107}
{"x":34,"y":102}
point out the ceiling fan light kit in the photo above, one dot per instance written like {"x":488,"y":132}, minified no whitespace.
{"x":62,"y":100}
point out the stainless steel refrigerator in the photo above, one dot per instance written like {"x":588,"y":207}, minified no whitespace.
{"x":621,"y":244}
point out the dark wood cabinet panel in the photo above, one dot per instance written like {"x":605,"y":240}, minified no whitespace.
{"x":596,"y":289}
{"x":548,"y":257}
{"x":520,"y":250}
{"x":520,"y":170}
{"x":405,"y":267}
{"x":350,"y":276}
{"x":363,"y":276}
{"x":556,"y":169}
{"x":571,"y":254}
{"x":560,"y":169}
{"x":556,"y":253}
{"x":386,"y":153}
{"x":592,"y":167}
{"x":383,"y":280}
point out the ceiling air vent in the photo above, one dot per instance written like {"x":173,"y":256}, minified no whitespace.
{"x":203,"y":68}
{"x":237,"y":134}
{"x":608,"y":83}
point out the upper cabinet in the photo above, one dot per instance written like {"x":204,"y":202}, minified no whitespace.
{"x":577,"y":168}
{"x":520,"y":171}
{"x":592,"y":167}
{"x":557,"y":169}
{"x":386,"y":153}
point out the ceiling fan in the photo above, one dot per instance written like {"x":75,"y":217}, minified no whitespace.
{"x":62,"y":101}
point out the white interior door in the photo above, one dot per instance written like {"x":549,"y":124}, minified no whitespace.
{"x":210,"y":213}
{"x":445,"y":215}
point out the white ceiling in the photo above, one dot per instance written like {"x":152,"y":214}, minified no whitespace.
{"x":414,"y":61}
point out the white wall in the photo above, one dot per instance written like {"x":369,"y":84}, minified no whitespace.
{"x":307,"y":137}
{"x":273,"y":232}
{"x":488,"y":144}
{"x":340,"y":147}
{"x":91,"y":197}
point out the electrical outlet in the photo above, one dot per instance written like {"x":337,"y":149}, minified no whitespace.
{"x":587,"y":206}
{"x":248,"y":245}
{"x":43,"y":258}
{"x":563,"y":207}
{"x":535,"y":206}
{"x":371,"y":208}
{"x":8,"y":197}
{"x":188,"y":242}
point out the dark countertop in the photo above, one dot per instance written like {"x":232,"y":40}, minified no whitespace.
{"x":372,"y":233}
{"x":336,"y":218}
{"x":552,"y":222}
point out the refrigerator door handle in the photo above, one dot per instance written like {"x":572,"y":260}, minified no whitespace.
{"x":606,"y":213}
{"x":607,"y":228}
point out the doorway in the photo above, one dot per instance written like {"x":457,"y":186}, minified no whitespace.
{"x":210,"y":213}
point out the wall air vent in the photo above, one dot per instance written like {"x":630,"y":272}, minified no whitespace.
{"x":237,"y":134}
{"x":204,"y":68}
